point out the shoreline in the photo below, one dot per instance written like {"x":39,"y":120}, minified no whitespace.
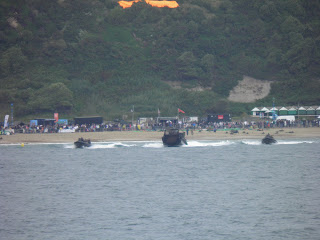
{"x":278,"y":133}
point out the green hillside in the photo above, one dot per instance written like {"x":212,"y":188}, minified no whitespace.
{"x":80,"y":57}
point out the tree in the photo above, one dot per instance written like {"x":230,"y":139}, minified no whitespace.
{"x":207,"y":64}
{"x":291,"y":24}
{"x":268,"y":11}
{"x":12,"y":61}
{"x":53,"y":97}
{"x":187,"y":66}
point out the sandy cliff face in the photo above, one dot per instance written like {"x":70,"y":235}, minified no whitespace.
{"x":249,"y":90}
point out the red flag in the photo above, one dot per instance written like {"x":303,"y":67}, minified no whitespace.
{"x":179,"y":110}
{"x":56,"y":117}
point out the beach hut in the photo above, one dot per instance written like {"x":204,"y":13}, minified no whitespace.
{"x":283,"y":111}
{"x":268,"y":113}
{"x":293,"y":111}
{"x":318,"y":111}
{"x":302,"y":111}
{"x":263,"y":112}
{"x":311,"y":111}
{"x":275,"y":110}
{"x":255,"y":111}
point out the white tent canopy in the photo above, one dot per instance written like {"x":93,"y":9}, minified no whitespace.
{"x":283,"y":109}
{"x":289,"y":118}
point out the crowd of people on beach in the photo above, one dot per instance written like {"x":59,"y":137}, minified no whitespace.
{"x":208,"y":126}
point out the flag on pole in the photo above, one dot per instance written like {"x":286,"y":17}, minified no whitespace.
{"x":6,"y":118}
{"x":56,"y":117}
{"x":179,"y":110}
{"x":158,"y":111}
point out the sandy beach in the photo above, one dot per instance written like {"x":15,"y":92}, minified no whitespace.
{"x":285,"y":133}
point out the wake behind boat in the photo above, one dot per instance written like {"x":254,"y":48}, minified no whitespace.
{"x":268,"y":139}
{"x":172,"y":137}
{"x":81,"y":143}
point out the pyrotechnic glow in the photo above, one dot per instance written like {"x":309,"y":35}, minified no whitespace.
{"x":127,"y":4}
{"x":160,"y":4}
{"x":169,"y":4}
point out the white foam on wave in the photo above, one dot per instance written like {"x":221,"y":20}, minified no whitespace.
{"x":158,"y":144}
{"x":31,"y":144}
{"x":293,"y":142}
{"x":110,"y":145}
{"x":103,"y":145}
{"x":153,"y":145}
{"x":281,"y":142}
{"x":208,"y":144}
{"x":190,"y":144}
{"x":248,"y":142}
{"x":69,"y":146}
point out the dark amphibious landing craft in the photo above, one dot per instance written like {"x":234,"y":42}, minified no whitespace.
{"x":172,"y":138}
{"x":268,"y":139}
{"x":81,"y":143}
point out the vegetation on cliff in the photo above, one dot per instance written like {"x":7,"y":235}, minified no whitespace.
{"x":79,"y":57}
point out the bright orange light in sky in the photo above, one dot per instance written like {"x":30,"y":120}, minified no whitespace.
{"x":169,"y":4}
{"x":127,"y":4}
{"x":160,"y":4}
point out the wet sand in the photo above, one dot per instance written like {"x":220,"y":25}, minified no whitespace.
{"x":285,"y":133}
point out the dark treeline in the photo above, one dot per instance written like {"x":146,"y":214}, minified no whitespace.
{"x":80,"y":57}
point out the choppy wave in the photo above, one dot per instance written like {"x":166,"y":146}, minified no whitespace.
{"x":191,"y":144}
{"x":251,"y":142}
{"x":105,"y":145}
{"x":280,"y":142}
{"x":158,"y":144}
{"x":111,"y":145}
{"x":209,"y":144}
{"x":294,"y":142}
{"x":120,"y":178}
{"x":153,"y":145}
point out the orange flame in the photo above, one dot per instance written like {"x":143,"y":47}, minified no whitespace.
{"x":127,"y":4}
{"x":169,"y":4}
{"x":159,"y":4}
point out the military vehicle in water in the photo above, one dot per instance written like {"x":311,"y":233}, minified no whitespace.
{"x":268,"y":139}
{"x":172,"y":138}
{"x":81,"y":143}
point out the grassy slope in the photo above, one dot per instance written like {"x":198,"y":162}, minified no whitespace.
{"x":109,"y":59}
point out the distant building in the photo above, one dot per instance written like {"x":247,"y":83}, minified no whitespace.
{"x":191,"y":119}
{"x":88,"y":120}
{"x":167,"y":121}
{"x":42,"y":122}
{"x":145,"y":120}
{"x":219,"y":118}
{"x":286,"y":110}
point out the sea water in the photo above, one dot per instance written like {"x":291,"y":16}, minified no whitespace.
{"x":142,"y":190}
